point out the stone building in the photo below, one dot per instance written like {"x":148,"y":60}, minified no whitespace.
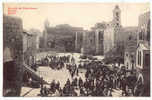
{"x":130,"y":53}
{"x":112,"y":31}
{"x":127,"y":40}
{"x":99,"y":38}
{"x":116,"y":37}
{"x":91,"y":42}
{"x":79,"y":41}
{"x":143,"y":52}
{"x":29,"y":48}
{"x":36,"y":33}
{"x":19,"y":50}
{"x":13,"y":55}
{"x":108,"y":38}
{"x":144,"y":27}
{"x":104,"y":35}
{"x":88,"y":43}
{"x":60,"y":38}
{"x":143,"y":40}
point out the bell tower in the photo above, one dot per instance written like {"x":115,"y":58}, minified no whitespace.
{"x":117,"y":16}
{"x":116,"y":24}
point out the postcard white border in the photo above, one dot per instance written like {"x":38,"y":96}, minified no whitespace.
{"x":63,"y":98}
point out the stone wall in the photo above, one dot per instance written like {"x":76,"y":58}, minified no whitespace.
{"x":89,"y":42}
{"x":108,"y":39}
{"x":144,"y":27}
{"x":12,"y":38}
{"x":78,"y":41}
{"x":29,"y":48}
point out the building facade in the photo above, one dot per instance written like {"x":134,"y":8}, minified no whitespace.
{"x":88,"y":43}
{"x":116,"y":39}
{"x":143,"y":53}
{"x":13,"y":56}
{"x":103,"y":36}
{"x":99,"y":38}
{"x":78,"y":41}
{"x":108,"y":38}
{"x":29,"y":48}
{"x":61,"y":38}
{"x":144,"y":27}
{"x":112,"y":31}
{"x":130,"y":53}
{"x":143,"y":40}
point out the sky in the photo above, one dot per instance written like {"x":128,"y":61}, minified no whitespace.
{"x":84,"y":15}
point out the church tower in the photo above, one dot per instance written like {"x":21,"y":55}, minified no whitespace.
{"x":116,"y":24}
{"x":117,"y":16}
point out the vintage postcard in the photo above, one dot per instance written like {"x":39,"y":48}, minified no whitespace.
{"x":76,"y":49}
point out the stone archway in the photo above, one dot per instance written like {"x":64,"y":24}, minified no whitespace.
{"x":139,"y":87}
{"x":140,"y":78}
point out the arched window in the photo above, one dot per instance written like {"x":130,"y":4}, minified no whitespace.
{"x":138,"y":58}
{"x":148,"y":31}
{"x":140,"y":35}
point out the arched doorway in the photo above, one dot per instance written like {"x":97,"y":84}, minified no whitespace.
{"x":139,"y":87}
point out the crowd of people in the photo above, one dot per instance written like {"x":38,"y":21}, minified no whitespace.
{"x":57,"y":62}
{"x":73,"y":69}
{"x":53,"y":89}
{"x":100,"y":80}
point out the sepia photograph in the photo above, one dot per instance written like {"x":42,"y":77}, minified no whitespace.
{"x":76,"y":49}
